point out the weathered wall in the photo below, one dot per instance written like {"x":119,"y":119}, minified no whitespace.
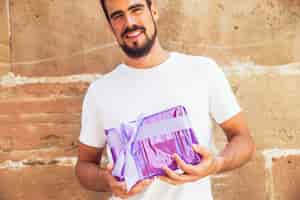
{"x":260,"y":31}
{"x":58,"y":38}
{"x":270,"y":99}
{"x":50,"y":51}
{"x":4,"y":37}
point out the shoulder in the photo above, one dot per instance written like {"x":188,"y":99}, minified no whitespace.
{"x":106,"y":81}
{"x":202,"y":64}
{"x":203,"y":61}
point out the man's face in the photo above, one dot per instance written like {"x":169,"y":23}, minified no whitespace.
{"x":133,"y":24}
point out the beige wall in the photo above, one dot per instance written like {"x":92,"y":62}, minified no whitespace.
{"x":4,"y":37}
{"x":70,"y":37}
{"x":56,"y":48}
{"x":264,"y":32}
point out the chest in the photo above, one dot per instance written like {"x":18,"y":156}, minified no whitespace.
{"x":126,"y":101}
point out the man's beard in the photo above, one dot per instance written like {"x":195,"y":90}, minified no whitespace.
{"x":138,"y":52}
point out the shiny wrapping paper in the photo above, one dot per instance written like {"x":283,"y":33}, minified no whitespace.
{"x":141,"y":148}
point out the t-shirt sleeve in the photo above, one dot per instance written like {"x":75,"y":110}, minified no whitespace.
{"x":222,"y":101}
{"x":92,"y":131}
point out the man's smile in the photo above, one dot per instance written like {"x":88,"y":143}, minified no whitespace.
{"x":133,"y":34}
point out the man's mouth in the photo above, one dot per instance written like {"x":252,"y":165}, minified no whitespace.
{"x":134,"y":34}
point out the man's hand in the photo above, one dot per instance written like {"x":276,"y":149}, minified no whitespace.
{"x":237,"y":152}
{"x":119,"y":188}
{"x":208,"y":165}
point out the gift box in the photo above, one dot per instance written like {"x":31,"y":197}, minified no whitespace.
{"x":142,"y":147}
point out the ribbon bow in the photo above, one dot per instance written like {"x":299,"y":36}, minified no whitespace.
{"x":125,"y":166}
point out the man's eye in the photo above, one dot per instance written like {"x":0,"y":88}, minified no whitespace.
{"x":137,"y":10}
{"x":117,"y":16}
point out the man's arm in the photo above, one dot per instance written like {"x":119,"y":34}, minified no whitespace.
{"x":94,"y":178}
{"x":88,"y":171}
{"x":240,"y":147}
{"x":238,"y":151}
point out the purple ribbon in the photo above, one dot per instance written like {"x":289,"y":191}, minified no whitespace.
{"x":125,"y":166}
{"x":125,"y":161}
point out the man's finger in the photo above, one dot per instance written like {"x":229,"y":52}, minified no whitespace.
{"x":140,"y":186}
{"x":171,"y":174}
{"x":115,"y":184}
{"x":187,"y":168}
{"x":109,"y":167}
{"x":119,"y":186}
{"x":178,"y":177}
{"x":121,"y":195}
{"x":204,"y":152}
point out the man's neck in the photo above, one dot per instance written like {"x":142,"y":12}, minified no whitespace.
{"x":156,"y":56}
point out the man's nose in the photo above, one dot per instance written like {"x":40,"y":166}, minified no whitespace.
{"x":130,"y":20}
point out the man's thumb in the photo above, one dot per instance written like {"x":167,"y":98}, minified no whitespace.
{"x":110,"y":167}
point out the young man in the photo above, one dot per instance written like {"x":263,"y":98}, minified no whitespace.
{"x":151,"y":80}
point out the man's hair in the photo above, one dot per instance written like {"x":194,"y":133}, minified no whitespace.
{"x":149,"y":3}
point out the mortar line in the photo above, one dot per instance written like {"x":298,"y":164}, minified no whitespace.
{"x":54,"y":58}
{"x":9,"y":28}
{"x":4,"y":64}
{"x":269,"y":181}
{"x":11,"y":79}
{"x":58,"y":161}
{"x":248,"y":69}
{"x":49,"y":149}
{"x":279,"y":153}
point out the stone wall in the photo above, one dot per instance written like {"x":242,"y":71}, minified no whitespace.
{"x":50,"y":51}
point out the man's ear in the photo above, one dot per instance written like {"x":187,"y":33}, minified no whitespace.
{"x":154,"y":12}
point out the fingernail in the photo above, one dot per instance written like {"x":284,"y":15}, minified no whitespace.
{"x":109,"y":166}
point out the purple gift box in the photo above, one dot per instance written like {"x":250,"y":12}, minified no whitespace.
{"x":141,"y":148}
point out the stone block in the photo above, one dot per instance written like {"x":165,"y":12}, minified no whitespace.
{"x":48,"y":154}
{"x":286,"y":176}
{"x":269,"y":102}
{"x":55,"y":38}
{"x":42,"y":90}
{"x":263,"y":32}
{"x":40,"y":115}
{"x":4,"y":38}
{"x":45,"y":182}
{"x":247,"y":182}
{"x":58,"y":38}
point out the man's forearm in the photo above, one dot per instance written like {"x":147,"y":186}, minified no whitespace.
{"x":92,"y":177}
{"x":237,"y":152}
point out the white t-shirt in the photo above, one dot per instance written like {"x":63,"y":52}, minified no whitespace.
{"x":122,"y":95}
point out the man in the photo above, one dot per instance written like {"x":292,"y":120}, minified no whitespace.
{"x":150,"y":80}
